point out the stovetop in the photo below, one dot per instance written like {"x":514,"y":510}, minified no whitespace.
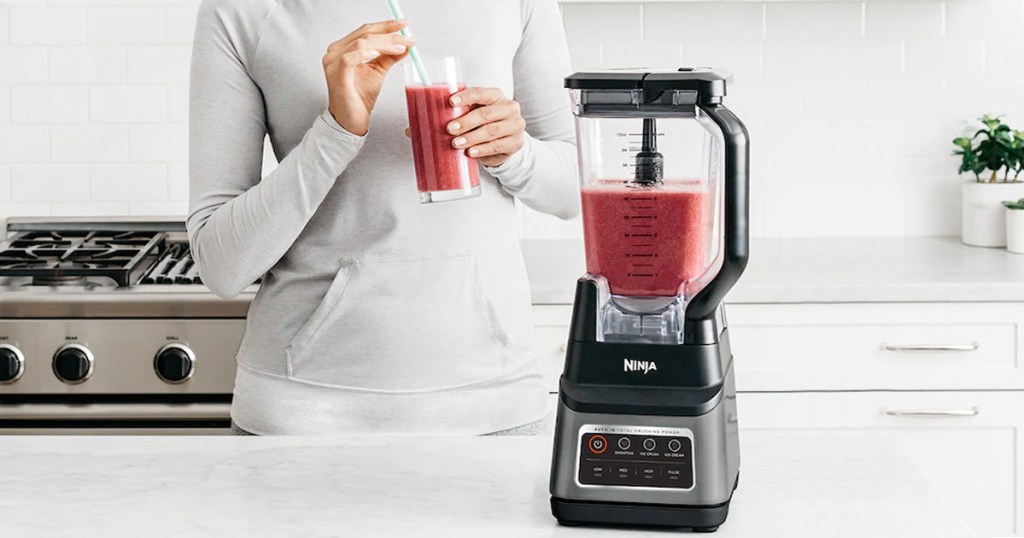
{"x":68,"y":254}
{"x":106,"y":268}
{"x":58,"y":257}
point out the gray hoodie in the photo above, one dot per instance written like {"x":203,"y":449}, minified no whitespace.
{"x":376,"y":313}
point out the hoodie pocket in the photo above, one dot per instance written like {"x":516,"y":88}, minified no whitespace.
{"x":401,"y":325}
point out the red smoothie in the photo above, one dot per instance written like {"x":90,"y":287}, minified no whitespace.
{"x":439,"y":166}
{"x":645,"y":241}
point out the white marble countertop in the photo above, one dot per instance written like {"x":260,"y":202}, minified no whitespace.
{"x":827,"y":270}
{"x":791,"y":486}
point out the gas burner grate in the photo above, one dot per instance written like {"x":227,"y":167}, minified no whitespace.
{"x":70,"y":256}
{"x":175,"y":266}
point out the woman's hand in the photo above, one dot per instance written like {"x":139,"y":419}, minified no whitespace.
{"x":491,"y":133}
{"x":355,"y":67}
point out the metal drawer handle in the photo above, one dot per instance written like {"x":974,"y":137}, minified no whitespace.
{"x":973,"y":346}
{"x":928,"y":413}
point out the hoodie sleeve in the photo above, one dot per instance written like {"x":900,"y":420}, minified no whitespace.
{"x":543,"y":174}
{"x":240,"y":225}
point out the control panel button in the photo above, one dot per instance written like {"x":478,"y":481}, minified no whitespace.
{"x":175,"y":363}
{"x":73,"y":364}
{"x":649,"y":444}
{"x":12,"y":364}
{"x":598,"y":444}
{"x":674,"y":445}
{"x":624,"y":443}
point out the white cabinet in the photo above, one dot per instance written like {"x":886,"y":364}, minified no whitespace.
{"x":865,"y":346}
{"x":945,"y":379}
{"x":965,"y":443}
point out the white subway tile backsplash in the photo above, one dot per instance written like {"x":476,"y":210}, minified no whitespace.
{"x":5,"y":105}
{"x":1005,"y":58}
{"x":985,"y":18}
{"x":128,"y":182}
{"x":744,"y":21}
{"x":851,"y":105}
{"x":785,"y":62}
{"x":181,"y":24}
{"x":698,"y":21}
{"x":168,"y":209}
{"x":929,"y":138}
{"x":824,"y":99}
{"x":642,"y":54}
{"x":3,"y":34}
{"x":906,"y":98}
{"x":21,"y":144}
{"x":158,"y":143}
{"x":49,"y":183}
{"x":925,"y":215}
{"x":684,"y":21}
{"x":1003,"y":96}
{"x":118,"y":25}
{"x":87,"y":65}
{"x":598,"y":22}
{"x":177,"y":104}
{"x":50,"y":25}
{"x":49,"y":104}
{"x":914,"y":19}
{"x":945,"y":58}
{"x":89,"y":209}
{"x":5,"y":184}
{"x":743,"y":59}
{"x":128,"y":104}
{"x":89,"y":143}
{"x":814,"y":21}
{"x":586,"y":56}
{"x":23,"y":209}
{"x":965,"y":98}
{"x":22,"y":65}
{"x":158,"y":65}
{"x":177,"y":182}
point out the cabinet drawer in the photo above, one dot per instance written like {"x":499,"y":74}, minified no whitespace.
{"x":965,"y":443}
{"x":865,"y":347}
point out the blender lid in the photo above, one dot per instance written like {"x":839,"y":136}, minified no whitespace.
{"x":709,"y":84}
{"x":648,"y":89}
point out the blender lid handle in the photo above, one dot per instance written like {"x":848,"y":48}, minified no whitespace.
{"x":736,"y":212}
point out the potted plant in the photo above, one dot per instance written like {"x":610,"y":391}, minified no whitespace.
{"x":1015,"y":226}
{"x":995,"y":155}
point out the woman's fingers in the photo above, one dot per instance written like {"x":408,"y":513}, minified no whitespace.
{"x":502,"y":146}
{"x":477,"y":96}
{"x":370,"y":28}
{"x":368,"y":48}
{"x":491,"y":131}
{"x":484,"y":115}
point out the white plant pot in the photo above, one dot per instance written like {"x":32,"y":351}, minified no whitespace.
{"x":984,"y":215}
{"x":1015,"y":230}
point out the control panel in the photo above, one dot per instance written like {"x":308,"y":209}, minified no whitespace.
{"x":635,"y":456}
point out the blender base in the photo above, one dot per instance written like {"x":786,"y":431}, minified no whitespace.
{"x":698,"y":518}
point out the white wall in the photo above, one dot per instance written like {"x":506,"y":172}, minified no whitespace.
{"x":851,"y":105}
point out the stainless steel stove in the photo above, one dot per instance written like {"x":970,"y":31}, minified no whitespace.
{"x":105,"y":327}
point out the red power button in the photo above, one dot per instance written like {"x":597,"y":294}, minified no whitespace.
{"x":598,"y":444}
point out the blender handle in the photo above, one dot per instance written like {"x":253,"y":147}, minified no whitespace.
{"x":736,"y":241}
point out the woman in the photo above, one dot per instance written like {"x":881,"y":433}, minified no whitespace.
{"x":376,"y":313}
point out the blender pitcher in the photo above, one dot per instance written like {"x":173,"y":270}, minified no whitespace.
{"x":652,"y":198}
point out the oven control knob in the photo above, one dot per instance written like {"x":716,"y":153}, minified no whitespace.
{"x":73,"y":363}
{"x":175,"y":363}
{"x":12,"y":364}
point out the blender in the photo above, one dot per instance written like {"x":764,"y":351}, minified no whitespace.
{"x":646,"y":432}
